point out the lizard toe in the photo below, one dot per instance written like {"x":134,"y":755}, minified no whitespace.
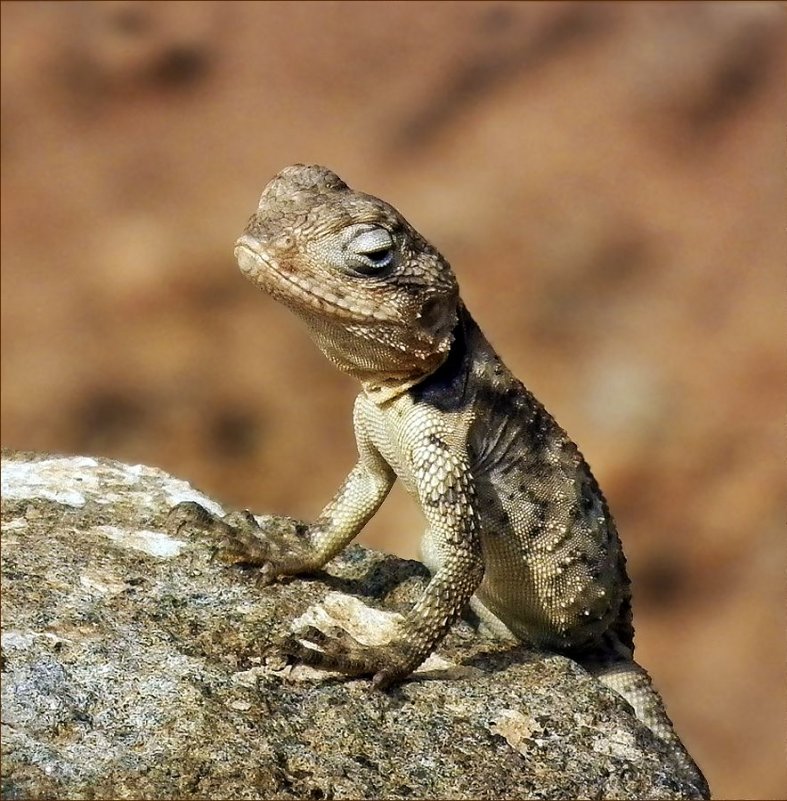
{"x":336,"y":651}
{"x":189,"y":513}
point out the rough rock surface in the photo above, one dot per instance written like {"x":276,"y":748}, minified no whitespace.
{"x":135,"y":665}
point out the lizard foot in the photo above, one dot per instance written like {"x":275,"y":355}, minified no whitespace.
{"x":340,"y":651}
{"x":240,"y":540}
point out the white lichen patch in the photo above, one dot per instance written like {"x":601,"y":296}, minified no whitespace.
{"x":143,"y":478}
{"x":63,"y":479}
{"x":440,"y":667}
{"x":249,"y":678}
{"x":177,"y":491}
{"x":155,"y":543}
{"x":16,"y":524}
{"x":19,"y":639}
{"x":245,"y":608}
{"x":75,"y":480}
{"x":368,"y":626}
{"x":616,"y":743}
{"x":101,"y":583}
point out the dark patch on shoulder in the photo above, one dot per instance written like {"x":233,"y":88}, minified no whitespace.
{"x":445,"y":387}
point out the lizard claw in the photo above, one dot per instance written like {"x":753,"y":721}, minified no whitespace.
{"x":188,"y":513}
{"x":340,"y":651}
{"x":238,"y":538}
{"x":383,"y":679}
{"x":336,"y":651}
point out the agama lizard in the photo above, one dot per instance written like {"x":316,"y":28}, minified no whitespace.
{"x":517,"y":527}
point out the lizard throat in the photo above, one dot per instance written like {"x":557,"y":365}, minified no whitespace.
{"x":384,"y":371}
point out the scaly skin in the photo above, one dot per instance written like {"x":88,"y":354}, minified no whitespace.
{"x":517,"y":527}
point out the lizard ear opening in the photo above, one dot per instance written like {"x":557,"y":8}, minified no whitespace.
{"x":438,"y":317}
{"x":436,"y":311}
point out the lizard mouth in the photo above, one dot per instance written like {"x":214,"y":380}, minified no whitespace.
{"x":252,"y":262}
{"x":263,"y":270}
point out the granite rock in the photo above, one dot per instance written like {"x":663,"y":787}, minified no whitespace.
{"x":135,"y":665}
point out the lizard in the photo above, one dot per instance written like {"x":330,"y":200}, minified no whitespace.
{"x":518,"y":530}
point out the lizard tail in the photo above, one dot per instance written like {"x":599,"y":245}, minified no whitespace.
{"x":634,"y":684}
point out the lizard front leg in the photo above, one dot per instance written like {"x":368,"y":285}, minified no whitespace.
{"x":447,"y":497}
{"x":242,"y":541}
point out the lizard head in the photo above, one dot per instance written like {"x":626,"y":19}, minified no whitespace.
{"x":379,"y":300}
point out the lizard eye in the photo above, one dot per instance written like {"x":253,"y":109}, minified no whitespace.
{"x":369,"y":250}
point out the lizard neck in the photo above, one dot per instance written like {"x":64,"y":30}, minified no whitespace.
{"x":445,"y":383}
{"x":381,"y":379}
{"x":446,"y":387}
{"x":385,"y":370}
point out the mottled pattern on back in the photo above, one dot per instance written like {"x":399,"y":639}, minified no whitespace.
{"x":541,"y":504}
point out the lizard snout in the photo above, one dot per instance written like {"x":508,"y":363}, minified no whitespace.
{"x":248,"y":255}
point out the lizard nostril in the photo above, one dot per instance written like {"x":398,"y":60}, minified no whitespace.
{"x":284,"y":242}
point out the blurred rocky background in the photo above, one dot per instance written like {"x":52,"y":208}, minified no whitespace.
{"x":608,"y":182}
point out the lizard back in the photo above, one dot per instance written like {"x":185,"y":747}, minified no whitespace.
{"x":541,"y":507}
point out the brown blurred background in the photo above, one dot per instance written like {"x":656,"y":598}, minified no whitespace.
{"x":606,"y":179}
